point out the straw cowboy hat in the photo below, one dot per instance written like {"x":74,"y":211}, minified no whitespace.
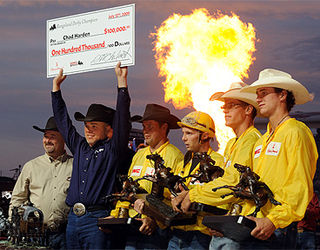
{"x":97,"y":113}
{"x":234,"y":93}
{"x":51,"y":125}
{"x":158,"y":113}
{"x":279,"y":79}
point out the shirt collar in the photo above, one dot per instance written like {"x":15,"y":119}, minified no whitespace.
{"x":61,"y":158}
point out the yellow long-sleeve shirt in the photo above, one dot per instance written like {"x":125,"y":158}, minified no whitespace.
{"x":238,"y":150}
{"x":286,"y":161}
{"x":141,"y":166}
{"x":185,"y":171}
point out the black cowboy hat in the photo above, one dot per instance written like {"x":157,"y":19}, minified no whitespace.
{"x":98,"y":113}
{"x":51,"y":125}
{"x":158,"y":113}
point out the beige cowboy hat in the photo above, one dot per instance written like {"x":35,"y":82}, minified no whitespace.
{"x":234,"y":93}
{"x":279,"y":79}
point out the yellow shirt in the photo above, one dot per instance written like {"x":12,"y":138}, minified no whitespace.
{"x":185,"y":171}
{"x":238,"y":150}
{"x":286,"y":161}
{"x":141,"y":166}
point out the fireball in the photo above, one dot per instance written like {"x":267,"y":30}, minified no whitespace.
{"x":200,"y":54}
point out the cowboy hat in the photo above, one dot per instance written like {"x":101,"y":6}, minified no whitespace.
{"x":279,"y":79}
{"x":51,"y":125}
{"x":158,"y":113}
{"x":234,"y":93}
{"x":98,"y":113}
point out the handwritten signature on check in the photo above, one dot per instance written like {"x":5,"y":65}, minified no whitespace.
{"x":109,"y":57}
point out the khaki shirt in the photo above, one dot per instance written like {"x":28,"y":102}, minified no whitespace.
{"x":46,"y":182}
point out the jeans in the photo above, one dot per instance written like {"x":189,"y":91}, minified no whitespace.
{"x":57,"y":240}
{"x":223,"y":243}
{"x":136,"y":240}
{"x":306,"y":240}
{"x":189,"y":240}
{"x":283,"y":238}
{"x":83,"y":232}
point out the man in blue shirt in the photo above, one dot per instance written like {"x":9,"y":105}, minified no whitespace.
{"x":96,"y":159}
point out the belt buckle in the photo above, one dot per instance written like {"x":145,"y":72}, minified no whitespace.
{"x":79,"y":209}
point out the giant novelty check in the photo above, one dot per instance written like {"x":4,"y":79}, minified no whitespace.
{"x":91,"y":41}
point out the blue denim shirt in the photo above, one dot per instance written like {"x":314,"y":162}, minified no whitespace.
{"x":94,"y":168}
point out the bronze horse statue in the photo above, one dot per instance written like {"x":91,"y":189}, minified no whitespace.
{"x":130,"y":188}
{"x":207,"y":169}
{"x":249,"y":187}
{"x":163,"y":177}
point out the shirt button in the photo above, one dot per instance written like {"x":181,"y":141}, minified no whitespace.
{"x":85,"y":170}
{"x":54,"y":187}
{"x":81,"y":192}
{"x":87,"y":159}
{"x":82,"y":181}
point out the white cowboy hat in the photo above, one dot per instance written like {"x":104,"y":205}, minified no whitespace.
{"x":234,"y":93}
{"x":279,"y":79}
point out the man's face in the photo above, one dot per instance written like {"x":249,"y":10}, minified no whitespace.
{"x":153,"y":133}
{"x":53,"y":143}
{"x":268,"y":100}
{"x":190,"y":138}
{"x":234,"y":112}
{"x":96,"y":131}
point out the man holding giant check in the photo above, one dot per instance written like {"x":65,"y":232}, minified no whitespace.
{"x":97,"y":155}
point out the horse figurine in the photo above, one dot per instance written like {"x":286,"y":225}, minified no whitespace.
{"x":249,"y":187}
{"x":163,"y":177}
{"x":130,"y":188}
{"x":207,"y":169}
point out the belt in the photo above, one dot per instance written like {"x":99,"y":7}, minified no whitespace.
{"x":80,"y":209}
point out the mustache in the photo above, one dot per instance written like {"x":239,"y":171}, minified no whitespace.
{"x":49,"y":144}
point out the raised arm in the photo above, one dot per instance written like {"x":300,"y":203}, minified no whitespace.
{"x":121,"y":73}
{"x":58,"y":80}
{"x":64,"y":123}
{"x":121,"y":126}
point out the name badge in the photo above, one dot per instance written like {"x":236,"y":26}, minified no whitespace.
{"x":136,"y":171}
{"x":273,"y":148}
{"x":257,"y":151}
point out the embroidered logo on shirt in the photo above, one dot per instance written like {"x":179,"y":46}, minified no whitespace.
{"x":273,"y":148}
{"x":97,"y":151}
{"x":257,"y":151}
{"x":136,"y":171}
{"x":149,"y":171}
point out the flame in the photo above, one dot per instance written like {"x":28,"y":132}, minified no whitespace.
{"x":199,"y":55}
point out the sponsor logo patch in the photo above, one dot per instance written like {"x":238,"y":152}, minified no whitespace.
{"x":149,"y":171}
{"x":136,"y":171}
{"x":273,"y":148}
{"x":257,"y":151}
